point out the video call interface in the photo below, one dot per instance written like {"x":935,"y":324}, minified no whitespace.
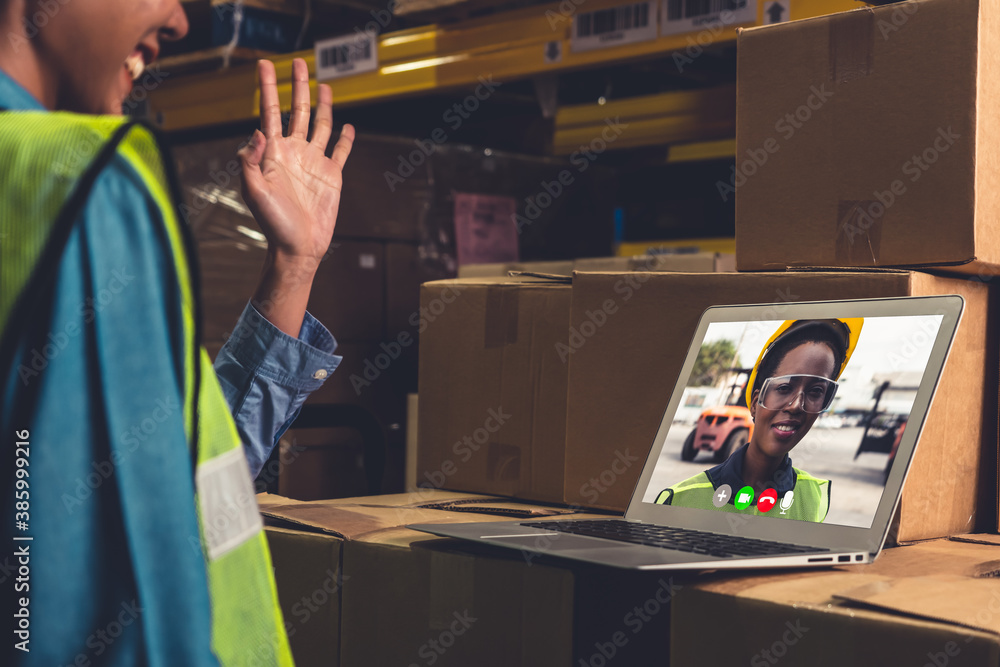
{"x":815,"y":442}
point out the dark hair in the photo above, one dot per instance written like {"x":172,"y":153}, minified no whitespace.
{"x":784,"y":345}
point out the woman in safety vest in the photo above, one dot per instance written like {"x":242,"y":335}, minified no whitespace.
{"x":793,"y":381}
{"x":127,"y":491}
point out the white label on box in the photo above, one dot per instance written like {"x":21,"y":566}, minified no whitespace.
{"x":366,"y":261}
{"x":681,"y":16}
{"x":606,"y":28}
{"x":346,"y":55}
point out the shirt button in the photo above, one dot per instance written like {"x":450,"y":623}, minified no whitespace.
{"x":320,"y":374}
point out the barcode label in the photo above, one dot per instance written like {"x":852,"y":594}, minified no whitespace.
{"x":343,"y":56}
{"x":605,"y":28}
{"x":694,"y":15}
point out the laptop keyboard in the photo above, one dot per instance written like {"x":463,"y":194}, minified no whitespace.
{"x":679,"y":539}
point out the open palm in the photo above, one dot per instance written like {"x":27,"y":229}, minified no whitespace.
{"x":290,"y":186}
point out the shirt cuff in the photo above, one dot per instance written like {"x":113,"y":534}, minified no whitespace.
{"x":301,"y":363}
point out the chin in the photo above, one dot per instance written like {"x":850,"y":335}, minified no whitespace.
{"x":777,"y":450}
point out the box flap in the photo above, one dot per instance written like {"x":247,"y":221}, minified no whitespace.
{"x":362,"y":518}
{"x":946,"y":580}
{"x":964,"y":601}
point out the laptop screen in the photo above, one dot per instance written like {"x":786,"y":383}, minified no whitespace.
{"x":794,"y":419}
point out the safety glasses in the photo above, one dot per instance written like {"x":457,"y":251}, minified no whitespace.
{"x":812,"y":393}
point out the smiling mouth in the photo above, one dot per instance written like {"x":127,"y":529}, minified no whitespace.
{"x":136,"y":65}
{"x":785,"y":429}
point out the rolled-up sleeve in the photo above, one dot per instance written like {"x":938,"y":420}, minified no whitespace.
{"x":266,"y":376}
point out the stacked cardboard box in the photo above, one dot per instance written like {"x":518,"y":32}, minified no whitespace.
{"x":873,"y":149}
{"x":694,"y":262}
{"x":935,"y":603}
{"x":873,"y":145}
{"x":628,"y":331}
{"x":392,"y":235}
{"x":356,"y":588}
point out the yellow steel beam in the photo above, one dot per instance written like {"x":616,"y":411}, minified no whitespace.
{"x":647,"y":120}
{"x":506,"y":47}
{"x":631,"y":248}
{"x":702,"y":150}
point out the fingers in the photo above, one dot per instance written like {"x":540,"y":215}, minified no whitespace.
{"x":343,"y":147}
{"x":251,"y":155}
{"x":270,"y":109}
{"x":299,"y":124}
{"x":323,"y":125}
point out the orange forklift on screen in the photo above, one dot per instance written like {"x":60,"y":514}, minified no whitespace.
{"x":723,"y":429}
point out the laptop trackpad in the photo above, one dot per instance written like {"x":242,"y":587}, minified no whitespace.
{"x":556,"y":542}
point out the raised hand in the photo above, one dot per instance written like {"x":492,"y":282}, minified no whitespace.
{"x":291,"y":187}
{"x":293,"y":191}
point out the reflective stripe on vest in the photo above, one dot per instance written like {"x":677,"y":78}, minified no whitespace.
{"x":247,"y":626}
{"x":811,"y":501}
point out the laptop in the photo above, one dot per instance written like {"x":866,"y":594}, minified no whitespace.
{"x":785,"y":443}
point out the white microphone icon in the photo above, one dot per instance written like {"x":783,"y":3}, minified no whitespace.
{"x":786,"y":502}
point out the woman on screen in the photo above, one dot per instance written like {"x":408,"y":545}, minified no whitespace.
{"x":793,"y":381}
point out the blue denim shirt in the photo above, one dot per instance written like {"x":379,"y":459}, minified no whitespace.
{"x":266,"y":375}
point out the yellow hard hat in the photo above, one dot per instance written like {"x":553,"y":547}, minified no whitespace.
{"x":849,"y":329}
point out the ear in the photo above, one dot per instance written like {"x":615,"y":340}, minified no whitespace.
{"x":753,"y":405}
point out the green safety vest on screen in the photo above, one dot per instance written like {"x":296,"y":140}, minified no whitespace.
{"x":241,"y":585}
{"x":811,"y":501}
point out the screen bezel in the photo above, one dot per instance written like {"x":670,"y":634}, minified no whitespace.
{"x":831,"y":536}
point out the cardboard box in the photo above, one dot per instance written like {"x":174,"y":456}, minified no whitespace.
{"x":501,"y":269}
{"x":347,"y":291}
{"x":873,"y":143}
{"x":623,"y":366}
{"x":406,"y":269}
{"x":933,"y":603}
{"x":403,"y":597}
{"x":492,"y":387}
{"x":318,"y":464}
{"x":695,"y":262}
{"x":308,"y":577}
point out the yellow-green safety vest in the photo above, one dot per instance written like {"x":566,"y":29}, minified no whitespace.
{"x":241,"y":584}
{"x":811,"y":500}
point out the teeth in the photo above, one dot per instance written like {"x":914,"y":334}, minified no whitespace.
{"x":785,"y":428}
{"x":136,"y":66}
